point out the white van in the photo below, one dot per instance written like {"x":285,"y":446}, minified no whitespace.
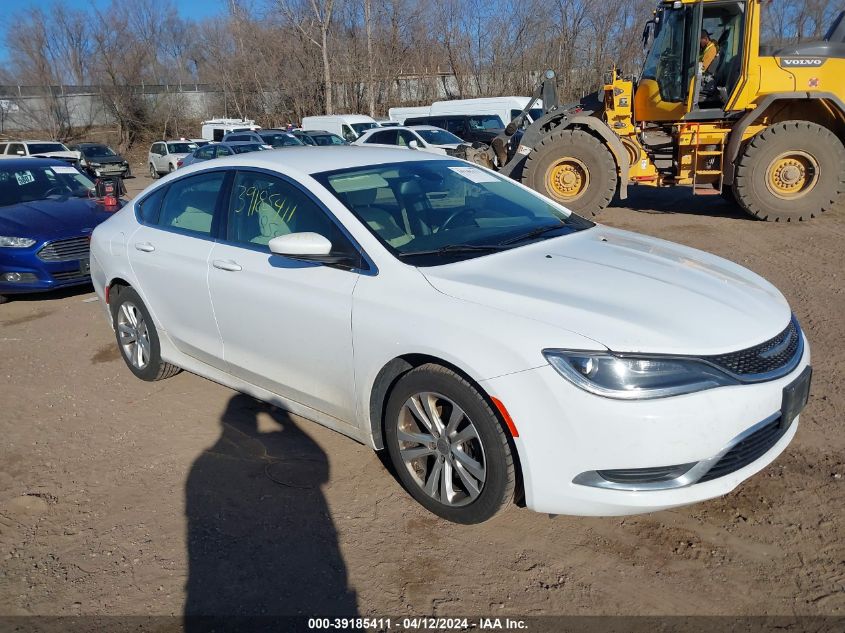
{"x":505,"y":107}
{"x":400,"y":114}
{"x":347,"y":126}
{"x":216,"y":129}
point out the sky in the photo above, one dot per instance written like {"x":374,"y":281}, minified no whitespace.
{"x":186,"y":8}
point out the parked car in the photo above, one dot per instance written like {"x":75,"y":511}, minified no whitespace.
{"x":98,"y":160}
{"x":347,"y":126}
{"x":201,"y":142}
{"x":273,"y":138}
{"x":318,"y":137}
{"x":499,"y":340}
{"x":164,"y":156}
{"x":423,"y":137}
{"x":219,"y":150}
{"x":49,"y":149}
{"x":46,"y":219}
{"x":388,"y":123}
{"x":478,"y":128}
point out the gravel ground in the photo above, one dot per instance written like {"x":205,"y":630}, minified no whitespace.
{"x":124,"y":497}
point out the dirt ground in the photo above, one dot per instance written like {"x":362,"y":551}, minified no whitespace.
{"x":124,"y":497}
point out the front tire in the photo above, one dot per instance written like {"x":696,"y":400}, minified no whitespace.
{"x":448,"y":447}
{"x":137,"y":337}
{"x":153,"y":172}
{"x":573,"y":168}
{"x":791,"y":171}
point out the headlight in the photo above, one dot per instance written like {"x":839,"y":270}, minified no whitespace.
{"x":635,"y":378}
{"x":95,"y":164}
{"x":16,"y":242}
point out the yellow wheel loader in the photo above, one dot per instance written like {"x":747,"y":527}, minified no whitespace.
{"x":762,"y":126}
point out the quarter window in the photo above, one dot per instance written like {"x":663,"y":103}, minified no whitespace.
{"x":149,"y":207}
{"x":263,"y":207}
{"x":189,"y":203}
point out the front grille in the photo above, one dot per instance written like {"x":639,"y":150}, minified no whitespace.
{"x":763,"y":358}
{"x":66,"y":250}
{"x":746,"y":451}
{"x":70,"y":274}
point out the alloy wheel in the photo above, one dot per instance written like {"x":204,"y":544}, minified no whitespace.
{"x":441,"y":448}
{"x":133,"y":334}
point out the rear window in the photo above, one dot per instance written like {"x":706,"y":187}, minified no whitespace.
{"x":181,"y":148}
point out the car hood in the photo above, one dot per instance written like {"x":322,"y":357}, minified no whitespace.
{"x":72,"y":156}
{"x":105,"y":160}
{"x":52,"y":219}
{"x":628,"y":292}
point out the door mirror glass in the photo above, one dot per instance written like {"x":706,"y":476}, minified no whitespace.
{"x":304,"y":244}
{"x":414,"y":144}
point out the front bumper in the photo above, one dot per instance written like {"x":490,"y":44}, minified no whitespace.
{"x":41,"y":276}
{"x":565,"y":432}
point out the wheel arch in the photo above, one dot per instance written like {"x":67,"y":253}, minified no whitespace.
{"x":392,"y":371}
{"x":592,"y":125}
{"x":822,"y":108}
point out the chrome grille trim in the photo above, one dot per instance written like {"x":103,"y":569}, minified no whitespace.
{"x":75,"y":248}
{"x":773,"y":358}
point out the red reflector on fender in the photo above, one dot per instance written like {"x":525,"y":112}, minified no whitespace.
{"x":108,"y":288}
{"x":506,"y":416}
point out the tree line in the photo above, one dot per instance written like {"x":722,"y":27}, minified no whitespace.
{"x":280,"y":60}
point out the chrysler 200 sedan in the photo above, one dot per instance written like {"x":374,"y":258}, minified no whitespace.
{"x":499,"y":347}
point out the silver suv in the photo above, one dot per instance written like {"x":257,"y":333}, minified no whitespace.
{"x":164,"y":156}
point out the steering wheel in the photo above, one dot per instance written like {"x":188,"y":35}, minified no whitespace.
{"x":58,"y":190}
{"x":452,"y":216}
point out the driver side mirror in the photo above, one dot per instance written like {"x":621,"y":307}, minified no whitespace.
{"x":20,"y":152}
{"x":307,"y":246}
{"x":413,"y":144}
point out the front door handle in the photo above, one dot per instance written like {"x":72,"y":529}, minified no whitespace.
{"x":146,"y":247}
{"x":226,"y":264}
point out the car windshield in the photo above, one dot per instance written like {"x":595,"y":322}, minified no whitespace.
{"x":327,"y":139}
{"x":181,"y":148}
{"x":247,"y":147}
{"x":281,"y":139}
{"x":361,"y":127}
{"x":97,"y":150}
{"x":492,"y":122}
{"x":438,"y":211}
{"x":43,"y":148}
{"x":41,"y":182}
{"x":439,"y":137}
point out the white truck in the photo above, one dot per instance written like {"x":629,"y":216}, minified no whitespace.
{"x":347,"y":126}
{"x":47,"y":149}
{"x":216,"y":129}
{"x":506,"y":108}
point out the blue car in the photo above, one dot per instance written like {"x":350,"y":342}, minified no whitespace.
{"x":47,"y":214}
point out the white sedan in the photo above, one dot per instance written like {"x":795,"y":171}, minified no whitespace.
{"x":422,"y":137}
{"x":496,"y":345}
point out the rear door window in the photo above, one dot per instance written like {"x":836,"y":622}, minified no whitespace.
{"x":17,"y":148}
{"x":189,"y":203}
{"x":386,"y":137}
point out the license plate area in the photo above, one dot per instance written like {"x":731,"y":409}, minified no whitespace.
{"x":795,"y":396}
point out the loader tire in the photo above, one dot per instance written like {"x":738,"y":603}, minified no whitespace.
{"x":791,"y":172}
{"x":573,"y":168}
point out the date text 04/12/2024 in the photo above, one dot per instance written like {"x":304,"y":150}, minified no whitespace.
{"x":418,"y":624}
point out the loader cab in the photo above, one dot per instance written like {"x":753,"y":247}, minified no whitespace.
{"x":674,"y":85}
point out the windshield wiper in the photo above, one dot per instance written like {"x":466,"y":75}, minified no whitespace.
{"x":535,"y":233}
{"x":458,"y":248}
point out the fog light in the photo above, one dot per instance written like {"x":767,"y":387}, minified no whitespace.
{"x":18,"y":278}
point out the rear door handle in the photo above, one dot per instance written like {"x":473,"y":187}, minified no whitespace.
{"x":226,"y":264}
{"x":146,"y":247}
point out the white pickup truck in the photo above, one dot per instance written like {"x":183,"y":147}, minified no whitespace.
{"x":48,"y":149}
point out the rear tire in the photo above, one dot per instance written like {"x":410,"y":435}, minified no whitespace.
{"x":573,"y":168}
{"x":137,"y":337}
{"x":791,"y":171}
{"x":448,"y":447}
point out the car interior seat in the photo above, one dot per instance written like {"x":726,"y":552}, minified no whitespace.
{"x":377,"y":218}
{"x":416,"y":206}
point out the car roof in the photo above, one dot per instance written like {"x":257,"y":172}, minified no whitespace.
{"x":309,"y":160}
{"x":316,"y":132}
{"x":89,"y":143}
{"x":422,"y":127}
{"x":31,"y":160}
{"x":32,"y":141}
{"x":238,"y":143}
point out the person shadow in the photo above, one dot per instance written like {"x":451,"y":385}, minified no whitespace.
{"x":261,"y":541}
